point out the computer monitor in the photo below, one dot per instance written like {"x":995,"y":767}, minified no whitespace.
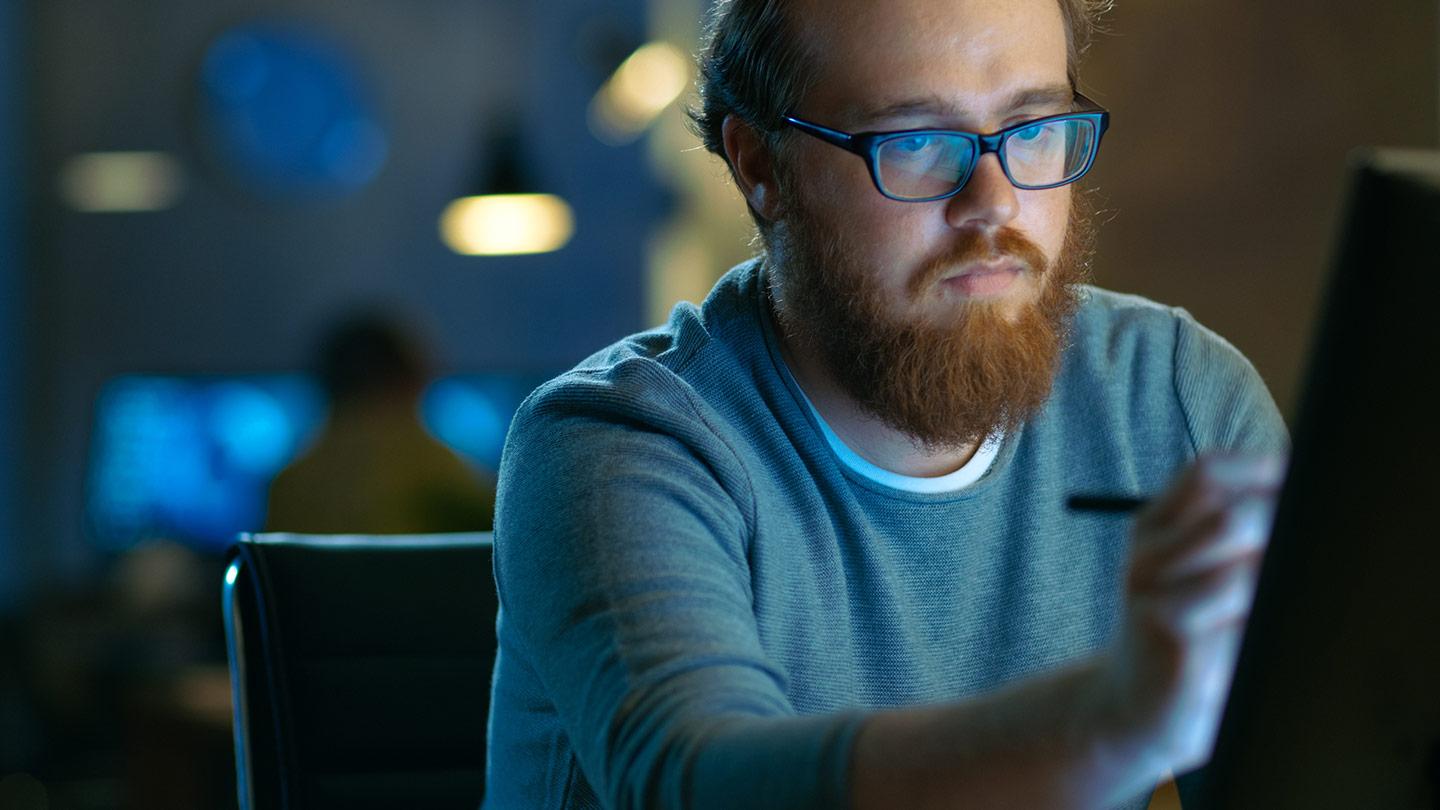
{"x":471,"y":412}
{"x":1336,"y":697}
{"x":190,"y":458}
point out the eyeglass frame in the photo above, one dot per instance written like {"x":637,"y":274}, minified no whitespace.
{"x":867,"y":145}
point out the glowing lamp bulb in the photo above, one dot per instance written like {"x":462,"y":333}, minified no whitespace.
{"x":507,"y":224}
{"x":647,"y":82}
{"x":121,"y":182}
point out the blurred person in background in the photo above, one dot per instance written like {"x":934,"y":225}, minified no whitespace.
{"x":375,"y":469}
{"x":806,"y":545}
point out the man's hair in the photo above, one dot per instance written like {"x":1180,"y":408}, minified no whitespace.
{"x":753,"y":66}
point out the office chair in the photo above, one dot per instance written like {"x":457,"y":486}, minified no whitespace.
{"x":360,"y":669}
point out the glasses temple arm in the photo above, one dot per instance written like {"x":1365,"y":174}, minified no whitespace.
{"x":834,"y":136}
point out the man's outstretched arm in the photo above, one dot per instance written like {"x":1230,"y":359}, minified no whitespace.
{"x":1108,"y":728}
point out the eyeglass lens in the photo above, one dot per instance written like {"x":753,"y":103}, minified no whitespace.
{"x":932,"y":165}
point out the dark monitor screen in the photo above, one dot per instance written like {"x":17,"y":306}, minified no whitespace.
{"x":1336,"y":697}
{"x":189,"y":458}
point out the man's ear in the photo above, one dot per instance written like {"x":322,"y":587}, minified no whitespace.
{"x":752,"y":163}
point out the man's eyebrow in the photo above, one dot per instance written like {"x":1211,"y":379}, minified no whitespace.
{"x":1058,"y":95}
{"x":927,"y":105}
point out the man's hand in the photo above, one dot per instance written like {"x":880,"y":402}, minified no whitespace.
{"x":1103,"y":730}
{"x":1193,"y":569}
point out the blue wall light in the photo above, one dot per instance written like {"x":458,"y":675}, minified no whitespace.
{"x":285,"y":112}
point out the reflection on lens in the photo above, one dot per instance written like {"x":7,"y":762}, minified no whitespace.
{"x":924,"y":165}
{"x":1050,"y":153}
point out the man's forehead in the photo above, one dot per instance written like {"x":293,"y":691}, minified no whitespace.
{"x":1048,"y":98}
{"x":959,"y":58}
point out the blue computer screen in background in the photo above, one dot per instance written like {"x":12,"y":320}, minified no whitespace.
{"x":190,"y":458}
{"x":472,"y":412}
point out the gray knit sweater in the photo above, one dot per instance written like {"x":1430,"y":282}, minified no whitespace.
{"x":700,"y":602}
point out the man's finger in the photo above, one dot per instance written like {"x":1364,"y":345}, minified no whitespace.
{"x":1206,"y":600}
{"x":1210,"y":484}
{"x":1234,"y":531}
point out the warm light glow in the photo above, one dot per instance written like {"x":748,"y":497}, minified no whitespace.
{"x":114,"y":182}
{"x":647,"y":82}
{"x":507,"y":224}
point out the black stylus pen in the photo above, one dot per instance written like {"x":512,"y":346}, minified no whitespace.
{"x":1105,"y":503}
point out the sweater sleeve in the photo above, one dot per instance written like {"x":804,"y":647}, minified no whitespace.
{"x":622,"y":568}
{"x":1226,"y":404}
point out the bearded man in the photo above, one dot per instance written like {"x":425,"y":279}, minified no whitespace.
{"x":807,"y":545}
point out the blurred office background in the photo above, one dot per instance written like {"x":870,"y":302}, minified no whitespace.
{"x":191,"y":192}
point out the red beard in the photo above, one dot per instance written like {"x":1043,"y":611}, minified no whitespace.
{"x":949,"y":385}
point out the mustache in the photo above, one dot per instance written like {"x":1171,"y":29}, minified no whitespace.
{"x":975,"y":246}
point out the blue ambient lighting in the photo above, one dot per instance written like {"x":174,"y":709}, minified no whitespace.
{"x":286,"y":112}
{"x":251,"y":426}
{"x":191,"y":458}
{"x":471,"y":414}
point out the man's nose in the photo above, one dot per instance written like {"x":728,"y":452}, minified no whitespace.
{"x":988,"y":199}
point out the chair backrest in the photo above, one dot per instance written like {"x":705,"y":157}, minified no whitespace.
{"x":360,"y":669}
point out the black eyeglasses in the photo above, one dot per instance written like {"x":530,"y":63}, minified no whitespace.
{"x":923,"y":165}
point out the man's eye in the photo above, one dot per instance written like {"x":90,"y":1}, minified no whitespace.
{"x":1031,"y":133}
{"x":912,"y":145}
